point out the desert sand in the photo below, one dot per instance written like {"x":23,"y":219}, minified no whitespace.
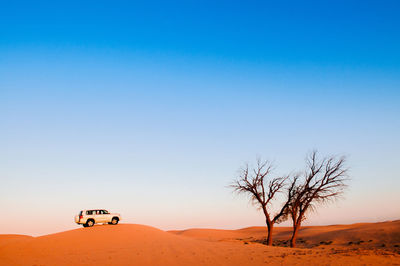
{"x":131,"y":244}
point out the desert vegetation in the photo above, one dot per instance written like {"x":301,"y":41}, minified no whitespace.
{"x":263,"y":188}
{"x":322,"y":181}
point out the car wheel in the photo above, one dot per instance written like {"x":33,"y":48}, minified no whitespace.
{"x":84,"y":225}
{"x":114,"y":221}
{"x":89,"y":223}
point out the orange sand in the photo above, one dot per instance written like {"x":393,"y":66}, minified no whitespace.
{"x":129,"y":244}
{"x":371,"y":235}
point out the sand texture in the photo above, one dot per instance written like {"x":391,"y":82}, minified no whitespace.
{"x":131,"y":244}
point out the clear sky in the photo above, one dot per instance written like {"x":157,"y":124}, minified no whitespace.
{"x":150,"y":109}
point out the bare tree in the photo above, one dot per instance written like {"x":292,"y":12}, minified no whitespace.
{"x":262,"y":191}
{"x":324,"y":181}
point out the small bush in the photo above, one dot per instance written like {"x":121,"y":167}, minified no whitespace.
{"x":326,"y":242}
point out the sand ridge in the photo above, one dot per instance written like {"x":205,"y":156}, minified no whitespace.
{"x":372,"y":235}
{"x":132,"y":244}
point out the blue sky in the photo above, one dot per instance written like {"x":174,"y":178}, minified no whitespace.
{"x":150,"y":109}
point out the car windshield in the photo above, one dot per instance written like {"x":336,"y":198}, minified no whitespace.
{"x":105,"y":212}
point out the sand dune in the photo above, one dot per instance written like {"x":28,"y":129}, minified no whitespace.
{"x":129,"y":244}
{"x":385,"y":235}
{"x":8,"y":239}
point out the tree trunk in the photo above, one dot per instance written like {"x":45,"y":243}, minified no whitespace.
{"x":270,"y":227}
{"x":294,"y":235}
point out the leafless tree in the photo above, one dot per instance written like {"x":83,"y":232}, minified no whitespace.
{"x":262,"y":191}
{"x":323,"y":181}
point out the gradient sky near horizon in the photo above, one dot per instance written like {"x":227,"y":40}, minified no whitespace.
{"x":149,"y":109}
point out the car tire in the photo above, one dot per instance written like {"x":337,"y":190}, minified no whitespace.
{"x":89,"y":223}
{"x":84,"y":225}
{"x":114,"y":221}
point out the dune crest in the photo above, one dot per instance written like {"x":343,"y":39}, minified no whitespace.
{"x":131,"y":244}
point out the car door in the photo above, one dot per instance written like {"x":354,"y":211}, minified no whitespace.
{"x":100,"y":216}
{"x":107,"y":216}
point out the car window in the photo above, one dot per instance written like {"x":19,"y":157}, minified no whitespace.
{"x":105,"y":212}
{"x":89,"y":212}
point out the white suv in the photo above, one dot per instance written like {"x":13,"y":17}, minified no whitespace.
{"x":90,"y":217}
